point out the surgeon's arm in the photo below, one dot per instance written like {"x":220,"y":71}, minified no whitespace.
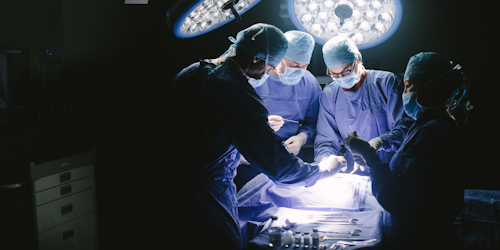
{"x":398,"y":121}
{"x":327,"y":140}
{"x":417,"y":181}
{"x":311,"y":118}
{"x":259,"y":144}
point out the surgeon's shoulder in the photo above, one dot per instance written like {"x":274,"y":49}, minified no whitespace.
{"x":331,"y":88}
{"x":439,"y":128}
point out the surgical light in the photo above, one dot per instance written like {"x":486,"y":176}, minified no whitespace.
{"x":191,"y":18}
{"x":367,"y":22}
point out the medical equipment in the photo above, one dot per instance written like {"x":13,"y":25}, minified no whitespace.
{"x":352,"y":221}
{"x":354,"y":232}
{"x":307,"y":239}
{"x":312,"y":216}
{"x":287,"y":237}
{"x":298,"y":239}
{"x":274,"y":232}
{"x":315,"y":238}
{"x":325,"y":237}
{"x":290,"y":120}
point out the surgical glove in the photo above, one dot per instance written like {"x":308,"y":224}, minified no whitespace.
{"x":295,"y":143}
{"x":275,"y":122}
{"x":331,"y":165}
{"x":376,"y":143}
{"x":244,"y":161}
{"x":359,"y":162}
{"x":359,"y":146}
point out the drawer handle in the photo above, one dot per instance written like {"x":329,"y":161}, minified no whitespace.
{"x":65,"y":177}
{"x":68,"y":234}
{"x":65,"y":190}
{"x":67,"y":209}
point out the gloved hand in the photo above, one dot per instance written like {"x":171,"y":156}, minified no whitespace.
{"x":244,"y":161}
{"x":376,"y":143}
{"x":331,"y":165}
{"x":295,"y":143}
{"x":275,"y":122}
{"x":359,"y":162}
{"x":359,"y":146}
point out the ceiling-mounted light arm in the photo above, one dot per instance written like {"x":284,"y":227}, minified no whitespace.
{"x":230,"y":5}
{"x":343,"y":10}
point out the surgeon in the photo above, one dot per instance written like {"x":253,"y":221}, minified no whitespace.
{"x":214,"y":116}
{"x":421,"y":189}
{"x":291,"y":92}
{"x":368,"y":101}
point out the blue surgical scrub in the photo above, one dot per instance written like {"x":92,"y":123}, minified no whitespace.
{"x":215,"y":117}
{"x":373,"y":110}
{"x":297,"y":102}
{"x":422,"y":187}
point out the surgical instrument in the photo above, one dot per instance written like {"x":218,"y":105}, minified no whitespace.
{"x":352,"y":221}
{"x":290,"y":120}
{"x":312,"y":216}
{"x":324,"y":237}
{"x":354,"y":232}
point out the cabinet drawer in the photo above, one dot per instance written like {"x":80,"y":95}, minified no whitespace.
{"x":65,"y":209}
{"x":88,"y":244}
{"x":63,"y":190}
{"x":62,"y":178}
{"x":67,"y":234}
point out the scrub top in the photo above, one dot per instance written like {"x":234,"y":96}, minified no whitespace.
{"x":375,"y":109}
{"x":297,"y":102}
{"x":215,"y":115}
{"x":422,"y":189}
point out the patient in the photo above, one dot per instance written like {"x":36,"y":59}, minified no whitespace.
{"x":421,"y":189}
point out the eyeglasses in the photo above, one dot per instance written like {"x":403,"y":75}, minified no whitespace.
{"x":347,"y":71}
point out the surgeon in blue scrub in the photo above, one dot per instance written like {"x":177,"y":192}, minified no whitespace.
{"x":291,"y":92}
{"x":216,"y":116}
{"x":368,"y":101}
{"x":421,"y":189}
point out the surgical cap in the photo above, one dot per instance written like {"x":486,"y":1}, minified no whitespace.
{"x":264,"y":41}
{"x":428,"y":65}
{"x":340,"y":50}
{"x":300,"y":46}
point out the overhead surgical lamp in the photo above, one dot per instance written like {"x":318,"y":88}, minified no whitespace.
{"x":191,"y":18}
{"x":367,"y":22}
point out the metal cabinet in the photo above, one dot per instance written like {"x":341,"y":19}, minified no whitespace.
{"x":48,"y":201}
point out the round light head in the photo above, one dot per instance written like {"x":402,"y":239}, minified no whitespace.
{"x":367,"y":22}
{"x":191,"y":18}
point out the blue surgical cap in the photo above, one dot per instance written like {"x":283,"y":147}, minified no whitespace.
{"x":340,"y":50}
{"x":300,"y":46}
{"x":264,"y":41}
{"x":429,"y":65}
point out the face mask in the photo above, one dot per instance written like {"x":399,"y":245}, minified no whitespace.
{"x":291,"y":76}
{"x":257,"y":82}
{"x":349,"y":81}
{"x":252,"y":81}
{"x":412,"y":107}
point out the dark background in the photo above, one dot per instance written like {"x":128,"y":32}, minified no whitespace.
{"x":119,"y":60}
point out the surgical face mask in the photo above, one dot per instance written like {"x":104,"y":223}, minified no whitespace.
{"x":291,"y":76}
{"x":349,"y":81}
{"x":412,"y":107}
{"x":257,"y":82}
{"x":252,"y":81}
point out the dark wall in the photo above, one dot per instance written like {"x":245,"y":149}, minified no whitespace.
{"x":119,"y":59}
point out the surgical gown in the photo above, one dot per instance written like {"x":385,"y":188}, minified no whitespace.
{"x":215,"y":117}
{"x":373,"y":110}
{"x":299,"y":102}
{"x":422,"y":187}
